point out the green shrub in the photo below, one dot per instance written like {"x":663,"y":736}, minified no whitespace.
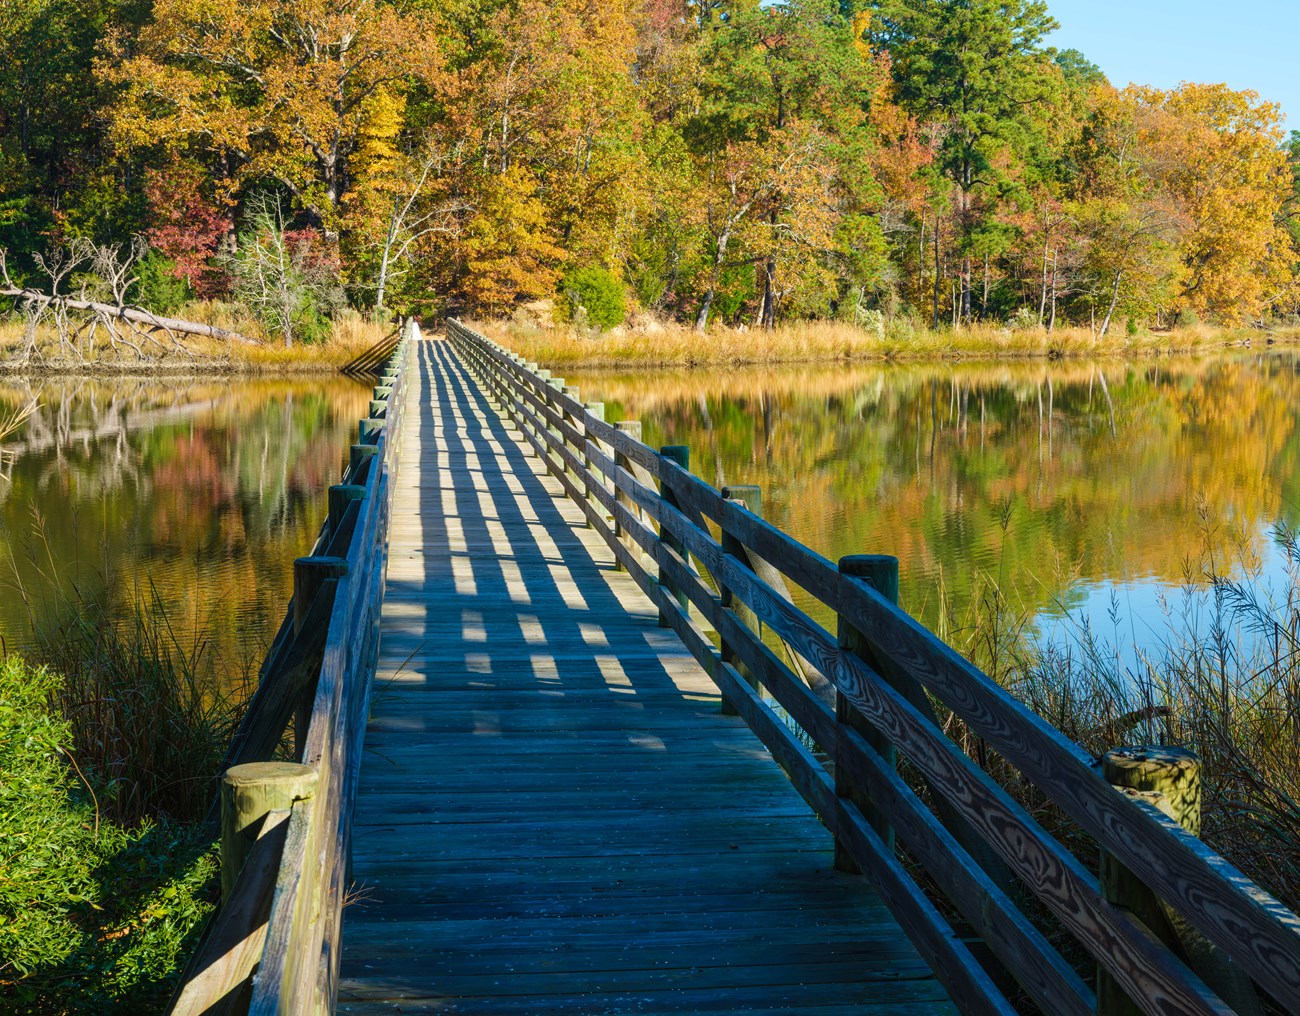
{"x":595,"y":291}
{"x":1132,"y":328}
{"x":1187,"y":318}
{"x":158,"y":288}
{"x":95,"y":917}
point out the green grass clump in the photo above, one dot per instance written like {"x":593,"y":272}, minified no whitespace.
{"x":96,"y":916}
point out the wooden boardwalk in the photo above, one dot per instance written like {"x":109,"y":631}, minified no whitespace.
{"x":553,"y":817}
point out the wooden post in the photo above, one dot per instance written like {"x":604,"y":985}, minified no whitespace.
{"x":309,"y":575}
{"x":750,"y":497}
{"x":1169,"y":779}
{"x":379,"y":408}
{"x":383,"y":391}
{"x":340,"y":496}
{"x":596,"y":410}
{"x":632,"y":428}
{"x":880,"y":571}
{"x":681,"y":455}
{"x":368,"y":431}
{"x":248,"y":793}
{"x":358,"y":456}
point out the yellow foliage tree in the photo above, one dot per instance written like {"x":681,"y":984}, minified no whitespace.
{"x":1218,"y":153}
{"x":280,"y":89}
{"x":508,"y":248}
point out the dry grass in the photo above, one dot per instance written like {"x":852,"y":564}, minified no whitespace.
{"x":353,"y":334}
{"x":650,"y":343}
{"x":1223,"y":679}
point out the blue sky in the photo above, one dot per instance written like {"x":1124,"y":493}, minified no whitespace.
{"x":1246,"y":43}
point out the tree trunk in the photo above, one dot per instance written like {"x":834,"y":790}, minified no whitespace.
{"x":768,"y":316}
{"x":935,"y":323}
{"x":984,"y":297}
{"x":1114,"y":299}
{"x":1042,"y":296}
{"x":1051,"y":323}
{"x":702,"y":319}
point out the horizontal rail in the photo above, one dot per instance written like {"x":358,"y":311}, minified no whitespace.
{"x":273,"y":947}
{"x":872,"y":684}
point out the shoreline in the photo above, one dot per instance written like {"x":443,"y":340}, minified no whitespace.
{"x":664,"y":348}
{"x":45,"y":372}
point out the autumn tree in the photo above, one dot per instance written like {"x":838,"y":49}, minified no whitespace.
{"x":266,"y":89}
{"x":509,"y":250}
{"x":1218,"y":153}
{"x":976,"y":68}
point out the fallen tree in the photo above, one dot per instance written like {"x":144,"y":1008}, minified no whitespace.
{"x":80,"y":319}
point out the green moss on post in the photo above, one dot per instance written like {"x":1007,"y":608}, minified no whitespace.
{"x":1168,"y":779}
{"x":248,"y":794}
{"x":359,"y":457}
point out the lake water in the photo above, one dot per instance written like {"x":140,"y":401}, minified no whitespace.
{"x":1104,"y":491}
{"x":203,"y":490}
{"x":1085,"y":488}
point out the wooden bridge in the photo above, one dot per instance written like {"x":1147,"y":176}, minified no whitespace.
{"x":562,"y":741}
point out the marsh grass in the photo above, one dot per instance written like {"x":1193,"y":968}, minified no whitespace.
{"x":1222,"y":677}
{"x":146,"y":726}
{"x":353,"y":333}
{"x":109,"y":746}
{"x":647,"y":342}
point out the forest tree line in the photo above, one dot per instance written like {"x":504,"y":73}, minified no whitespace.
{"x":705,"y":160}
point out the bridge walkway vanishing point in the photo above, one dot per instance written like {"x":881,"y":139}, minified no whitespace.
{"x":553,"y":815}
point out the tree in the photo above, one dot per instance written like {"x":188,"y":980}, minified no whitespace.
{"x":265,"y":89}
{"x":1219,"y":154}
{"x":974,"y":67}
{"x":186,"y":226}
{"x":287,"y":277}
{"x":509,"y":251}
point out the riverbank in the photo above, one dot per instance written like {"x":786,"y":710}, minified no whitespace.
{"x":651,"y":343}
{"x":351,"y":337}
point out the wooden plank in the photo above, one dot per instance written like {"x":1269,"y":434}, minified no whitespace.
{"x":547,"y":777}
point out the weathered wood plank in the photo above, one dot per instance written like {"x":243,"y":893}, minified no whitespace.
{"x":547,"y":774}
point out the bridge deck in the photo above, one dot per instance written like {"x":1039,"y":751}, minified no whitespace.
{"x":553,"y":816}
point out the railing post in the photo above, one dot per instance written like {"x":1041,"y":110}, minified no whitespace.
{"x":681,"y":456}
{"x":368,"y":431}
{"x":309,"y":575}
{"x":248,"y":793}
{"x":632,"y":428}
{"x":880,"y":571}
{"x":358,"y":455}
{"x":340,"y":496}
{"x":749,"y":497}
{"x":1169,"y":779}
{"x":596,"y":410}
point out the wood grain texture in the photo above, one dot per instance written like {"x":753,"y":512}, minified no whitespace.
{"x":552,"y":815}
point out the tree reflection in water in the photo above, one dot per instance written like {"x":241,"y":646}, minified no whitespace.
{"x":208,"y":489}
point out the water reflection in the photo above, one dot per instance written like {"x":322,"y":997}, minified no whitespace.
{"x":205,"y":489}
{"x":1063,"y":481}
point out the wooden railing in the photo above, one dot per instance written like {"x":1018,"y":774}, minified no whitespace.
{"x":273,"y":947}
{"x":1003,"y":911}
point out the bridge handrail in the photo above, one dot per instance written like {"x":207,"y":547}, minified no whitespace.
{"x":983,"y":851}
{"x":273,"y":947}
